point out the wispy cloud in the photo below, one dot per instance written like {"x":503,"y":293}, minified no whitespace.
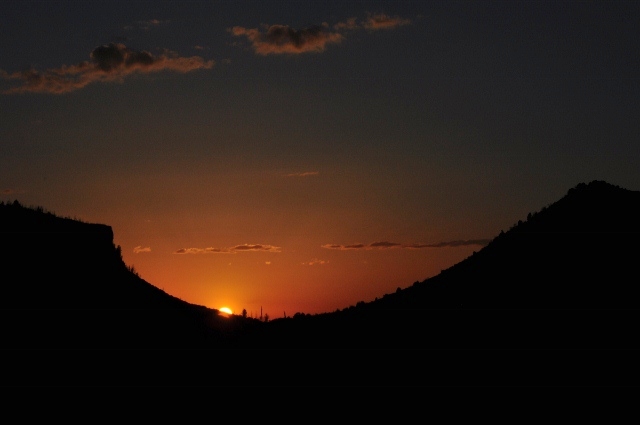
{"x":255,"y":247}
{"x":203,"y":251}
{"x":231,"y":250}
{"x":451,"y":244}
{"x":373,"y":22}
{"x":303,"y":174}
{"x":140,"y":249}
{"x":349,"y":24}
{"x":345,"y":247}
{"x":283,"y":39}
{"x":9,"y":191}
{"x":384,"y":245}
{"x":147,"y":24}
{"x":392,"y":245}
{"x":150,"y":23}
{"x":315,"y":261}
{"x":380,"y":21}
{"x":109,"y":63}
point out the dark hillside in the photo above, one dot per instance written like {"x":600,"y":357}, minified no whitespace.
{"x":577,"y":253}
{"x":65,"y":286}
{"x":563,"y":279}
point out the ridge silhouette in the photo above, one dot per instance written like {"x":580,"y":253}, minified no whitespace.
{"x":557,"y":289}
{"x":528,"y":288}
{"x":70,"y":288}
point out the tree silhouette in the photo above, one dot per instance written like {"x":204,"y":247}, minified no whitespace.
{"x":244,"y":313}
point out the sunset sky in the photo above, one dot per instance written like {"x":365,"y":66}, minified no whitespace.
{"x":302,"y":156}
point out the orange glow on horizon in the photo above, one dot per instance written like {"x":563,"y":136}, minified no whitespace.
{"x":288,"y":285}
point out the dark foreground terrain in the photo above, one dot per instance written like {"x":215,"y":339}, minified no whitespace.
{"x":553,"y":301}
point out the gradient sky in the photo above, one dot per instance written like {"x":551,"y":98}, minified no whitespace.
{"x":301,"y":156}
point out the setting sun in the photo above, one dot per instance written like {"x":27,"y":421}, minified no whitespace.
{"x":226,"y":310}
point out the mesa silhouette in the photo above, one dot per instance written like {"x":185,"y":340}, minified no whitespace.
{"x":66,"y":286}
{"x":563,"y":277}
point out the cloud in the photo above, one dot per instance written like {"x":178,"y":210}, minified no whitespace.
{"x":384,"y":245}
{"x":9,"y":191}
{"x":451,"y":244}
{"x":257,"y":247}
{"x":349,"y":24}
{"x":315,"y":261}
{"x":109,"y":63}
{"x":389,"y":245}
{"x":152,"y":22}
{"x":146,"y":25}
{"x":381,"y":21}
{"x":282,"y":39}
{"x":373,"y":22}
{"x":232,"y":250}
{"x":374,"y":245}
{"x":345,"y":247}
{"x":203,"y":251}
{"x":139,"y":249}
{"x":330,"y":246}
{"x":304,"y":174}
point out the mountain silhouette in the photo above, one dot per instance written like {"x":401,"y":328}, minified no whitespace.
{"x":573,"y":254}
{"x":573,"y":259}
{"x":69,"y":288}
{"x":551,"y":301}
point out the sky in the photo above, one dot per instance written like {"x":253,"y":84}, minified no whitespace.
{"x":303,"y":156}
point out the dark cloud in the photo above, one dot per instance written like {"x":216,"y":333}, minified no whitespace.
{"x":374,"y":245}
{"x":110,"y":62}
{"x":453,"y":244}
{"x":330,"y":246}
{"x":304,"y":174}
{"x":232,"y":250}
{"x":378,"y":21}
{"x":384,"y":244}
{"x":279,"y":39}
{"x":355,"y":246}
{"x":203,"y":251}
{"x":344,"y":247}
{"x":387,"y":245}
{"x":256,"y":247}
